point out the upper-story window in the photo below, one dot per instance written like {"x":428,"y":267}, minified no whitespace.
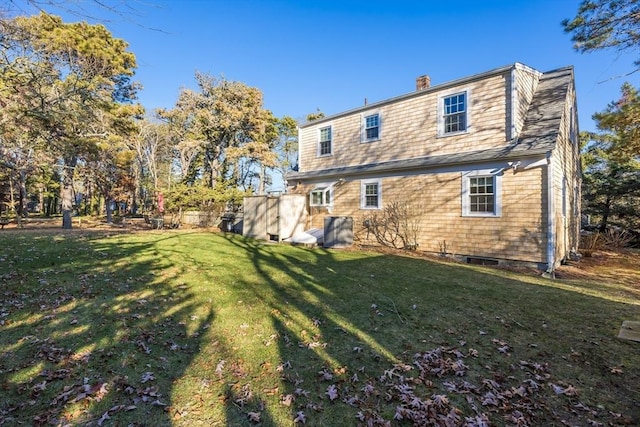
{"x":454,"y":113}
{"x":371,"y":130}
{"x":324,"y":144}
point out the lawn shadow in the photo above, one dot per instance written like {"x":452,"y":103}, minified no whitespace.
{"x":336,"y":337}
{"x":62,"y":367}
{"x":355,"y":322}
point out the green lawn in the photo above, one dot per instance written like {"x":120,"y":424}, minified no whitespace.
{"x":188,"y":329}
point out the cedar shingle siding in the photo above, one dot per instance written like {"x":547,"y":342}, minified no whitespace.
{"x":516,"y":116}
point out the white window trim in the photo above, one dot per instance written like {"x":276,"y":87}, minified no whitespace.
{"x":440,"y":124}
{"x":363,"y":126}
{"x":319,"y":145}
{"x":363,"y":199}
{"x":497,"y":189}
{"x":325,"y":188}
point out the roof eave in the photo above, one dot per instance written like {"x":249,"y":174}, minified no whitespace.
{"x":398,"y":167}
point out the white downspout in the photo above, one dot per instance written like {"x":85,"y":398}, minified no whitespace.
{"x":551,"y":223}
{"x":514,"y":105}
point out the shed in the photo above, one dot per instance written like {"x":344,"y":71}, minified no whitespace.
{"x":274,"y":217}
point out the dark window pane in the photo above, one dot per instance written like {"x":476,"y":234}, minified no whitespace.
{"x":455,"y":113}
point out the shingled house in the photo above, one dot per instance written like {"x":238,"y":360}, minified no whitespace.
{"x":490,"y":163}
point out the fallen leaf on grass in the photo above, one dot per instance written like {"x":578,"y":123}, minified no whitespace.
{"x":254,"y":417}
{"x":271,"y":391}
{"x":301,"y":392}
{"x":103,"y":418}
{"x":220,"y":367}
{"x":569,"y":391}
{"x":300,"y":418}
{"x":281,"y":367}
{"x":332,"y":392}
{"x":39,"y":387}
{"x":147,"y":376}
{"x":287,"y":400}
{"x":325,"y":375}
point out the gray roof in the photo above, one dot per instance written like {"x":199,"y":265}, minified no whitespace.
{"x":538,"y":137}
{"x":542,"y":122}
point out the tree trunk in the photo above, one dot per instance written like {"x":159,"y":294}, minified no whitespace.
{"x":108,"y":203}
{"x":41,"y":199}
{"x":13,"y":204}
{"x":605,"y":214}
{"x":22,"y":189}
{"x":263,"y":174}
{"x":67,"y":191}
{"x":134,"y":199}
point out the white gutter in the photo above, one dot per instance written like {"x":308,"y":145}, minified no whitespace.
{"x":551,"y":224}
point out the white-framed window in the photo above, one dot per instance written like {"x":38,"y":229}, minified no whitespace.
{"x":324,"y":141}
{"x":321,"y":196}
{"x":371,"y":194}
{"x":453,"y":114}
{"x":482,"y":193}
{"x":371,"y":127}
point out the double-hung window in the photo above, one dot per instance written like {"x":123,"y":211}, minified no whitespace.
{"x":324,"y":145}
{"x":371,"y":195}
{"x":371,"y":127}
{"x":481,"y":193}
{"x":454,"y":110}
{"x":321,"y":196}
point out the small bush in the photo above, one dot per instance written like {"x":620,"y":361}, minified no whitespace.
{"x":616,"y":238}
{"x":589,"y":243}
{"x":397,"y":226}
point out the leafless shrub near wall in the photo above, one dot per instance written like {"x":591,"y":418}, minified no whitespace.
{"x":612,"y":238}
{"x":589,"y":243}
{"x":616,"y":238}
{"x":443,"y":248}
{"x":397,"y":225}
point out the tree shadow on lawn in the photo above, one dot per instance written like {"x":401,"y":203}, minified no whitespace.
{"x":370,"y":336}
{"x":388,"y":337}
{"x":89,"y":338}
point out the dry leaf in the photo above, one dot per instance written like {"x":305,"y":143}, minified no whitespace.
{"x":287,"y":400}
{"x":300,"y":418}
{"x":332,"y":392}
{"x":254,"y":417}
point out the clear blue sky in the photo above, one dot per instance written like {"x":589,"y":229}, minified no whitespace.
{"x":331,"y":55}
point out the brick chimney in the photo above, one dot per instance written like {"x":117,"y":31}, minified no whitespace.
{"x":423,"y":82}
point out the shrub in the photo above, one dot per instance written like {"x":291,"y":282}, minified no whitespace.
{"x":589,"y":243}
{"x":397,"y":226}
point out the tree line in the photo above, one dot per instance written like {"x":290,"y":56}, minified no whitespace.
{"x":611,"y":155}
{"x":74,"y":140}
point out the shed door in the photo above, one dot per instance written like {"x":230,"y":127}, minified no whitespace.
{"x":273,"y":215}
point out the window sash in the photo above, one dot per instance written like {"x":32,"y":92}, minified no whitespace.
{"x":482,"y":195}
{"x":325,"y":147}
{"x":372,"y":127}
{"x":325,"y":141}
{"x":455,"y":113}
{"x":320,"y":197}
{"x":371,"y":195}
